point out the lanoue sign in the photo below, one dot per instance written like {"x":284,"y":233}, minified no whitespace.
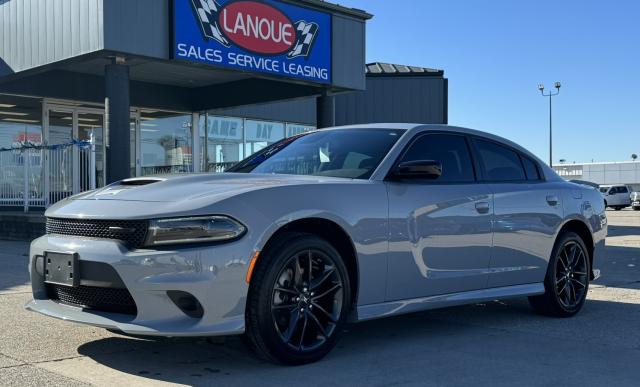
{"x":264,"y":36}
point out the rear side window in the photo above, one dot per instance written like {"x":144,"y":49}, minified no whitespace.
{"x":530,"y":169}
{"x":500,"y":163}
{"x":450,"y":150}
{"x":623,"y":190}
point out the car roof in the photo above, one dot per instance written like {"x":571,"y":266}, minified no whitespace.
{"x":441,"y":128}
{"x":414,"y":127}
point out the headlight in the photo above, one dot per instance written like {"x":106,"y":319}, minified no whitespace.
{"x":195,"y":229}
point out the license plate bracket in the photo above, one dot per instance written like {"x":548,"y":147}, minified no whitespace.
{"x":61,"y":268}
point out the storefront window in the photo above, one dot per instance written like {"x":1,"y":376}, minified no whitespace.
{"x":20,"y":127}
{"x":224,"y":142}
{"x":166,"y":143}
{"x":231,"y":139}
{"x":259,"y":134}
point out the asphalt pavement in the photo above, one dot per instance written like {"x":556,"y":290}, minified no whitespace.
{"x":500,"y":343}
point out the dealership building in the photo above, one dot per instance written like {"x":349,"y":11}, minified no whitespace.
{"x":93,"y":91}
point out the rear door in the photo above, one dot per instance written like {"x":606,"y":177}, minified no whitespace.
{"x":439,"y":230}
{"x":527,"y":213}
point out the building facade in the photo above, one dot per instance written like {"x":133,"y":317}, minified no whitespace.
{"x":93,"y":91}
{"x":605,"y":173}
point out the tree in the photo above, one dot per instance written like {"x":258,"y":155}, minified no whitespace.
{"x":634,"y":156}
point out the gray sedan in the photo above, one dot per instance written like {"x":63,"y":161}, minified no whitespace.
{"x":334,"y":226}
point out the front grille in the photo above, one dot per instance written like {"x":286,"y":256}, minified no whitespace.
{"x":133,"y":232}
{"x":98,"y":298}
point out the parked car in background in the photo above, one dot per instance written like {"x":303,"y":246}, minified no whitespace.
{"x":336,"y":225}
{"x":616,"y":196}
{"x":635,"y":200}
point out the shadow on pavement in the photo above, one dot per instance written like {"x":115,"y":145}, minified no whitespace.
{"x":449,"y":346}
{"x":615,"y":230}
{"x":13,"y":264}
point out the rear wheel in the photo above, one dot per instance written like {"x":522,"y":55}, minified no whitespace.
{"x":618,"y":208}
{"x":636,"y":208}
{"x":298,"y":301}
{"x":567,"y":280}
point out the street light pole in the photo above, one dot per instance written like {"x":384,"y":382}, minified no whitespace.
{"x":550,"y":94}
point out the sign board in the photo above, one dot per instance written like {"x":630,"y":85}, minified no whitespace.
{"x":295,"y":129}
{"x":228,"y":128}
{"x":263,"y":131}
{"x":264,"y":36}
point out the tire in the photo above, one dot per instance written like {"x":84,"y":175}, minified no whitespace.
{"x":636,"y":208}
{"x":282,"y":296}
{"x":618,"y":208}
{"x":560,"y":300}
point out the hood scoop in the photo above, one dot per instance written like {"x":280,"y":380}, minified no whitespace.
{"x":138,"y":181}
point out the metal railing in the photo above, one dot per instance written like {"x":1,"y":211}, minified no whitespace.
{"x":40,"y":175}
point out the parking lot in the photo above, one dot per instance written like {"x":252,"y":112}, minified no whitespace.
{"x":497,"y":343}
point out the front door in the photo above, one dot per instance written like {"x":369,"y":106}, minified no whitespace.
{"x":440,"y":231}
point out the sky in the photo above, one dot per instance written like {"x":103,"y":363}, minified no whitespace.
{"x":496,"y":52}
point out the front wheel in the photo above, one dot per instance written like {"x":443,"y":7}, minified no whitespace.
{"x":636,"y":208}
{"x":567,"y":280}
{"x":298,"y":300}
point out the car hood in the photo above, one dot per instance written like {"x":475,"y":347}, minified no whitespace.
{"x":172,"y":194}
{"x":177,"y":188}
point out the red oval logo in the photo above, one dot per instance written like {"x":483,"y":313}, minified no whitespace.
{"x":257,"y":27}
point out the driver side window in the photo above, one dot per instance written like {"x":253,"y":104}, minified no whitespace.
{"x":450,"y":150}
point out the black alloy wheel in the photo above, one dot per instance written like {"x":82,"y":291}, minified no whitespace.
{"x":306,"y":301}
{"x":298,"y":301}
{"x":572,"y":278}
{"x":567,"y":280}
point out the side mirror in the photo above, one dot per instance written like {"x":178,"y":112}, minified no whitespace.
{"x":418,"y":169}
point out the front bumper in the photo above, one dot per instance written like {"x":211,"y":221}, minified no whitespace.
{"x":214,"y":275}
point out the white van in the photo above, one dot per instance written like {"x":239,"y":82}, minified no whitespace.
{"x":616,"y":196}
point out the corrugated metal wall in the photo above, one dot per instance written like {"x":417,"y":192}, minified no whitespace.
{"x":37,"y":32}
{"x":395,"y":99}
{"x":387,"y":99}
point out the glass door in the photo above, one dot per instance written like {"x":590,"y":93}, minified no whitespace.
{"x":60,"y":155}
{"x":76,"y":153}
{"x":90,"y":128}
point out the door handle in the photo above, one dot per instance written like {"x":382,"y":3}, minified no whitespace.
{"x":552,"y":200}
{"x":482,"y":207}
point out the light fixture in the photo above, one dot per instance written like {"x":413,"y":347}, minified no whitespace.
{"x":4,"y":105}
{"x":540,"y":86}
{"x":13,"y":113}
{"x":557,"y":85}
{"x":21,"y":120}
{"x":80,"y":119}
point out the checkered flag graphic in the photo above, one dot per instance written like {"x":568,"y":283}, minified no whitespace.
{"x":207,"y":12}
{"x":306,"y":33}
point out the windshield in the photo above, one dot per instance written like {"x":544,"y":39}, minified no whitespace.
{"x":350,"y":153}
